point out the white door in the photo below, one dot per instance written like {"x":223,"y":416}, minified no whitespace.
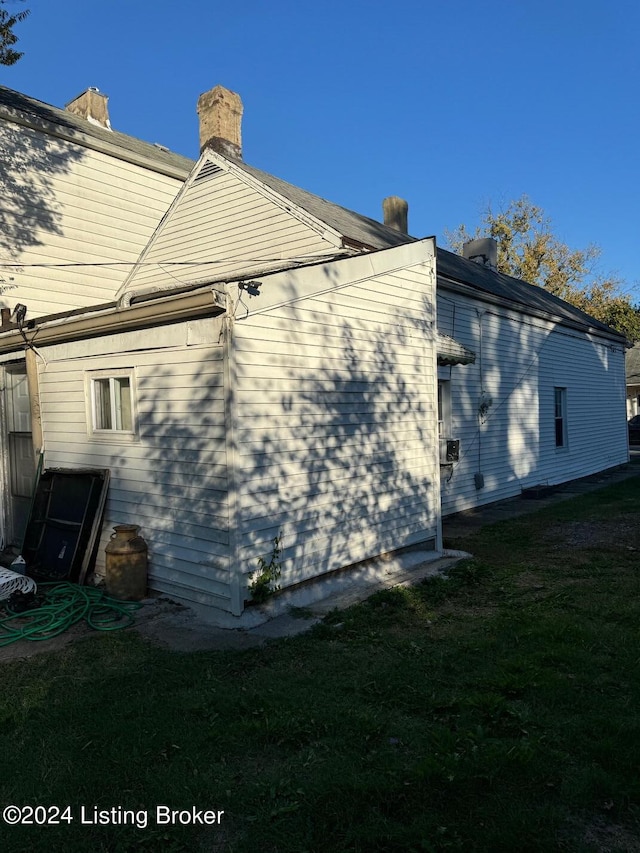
{"x":21,"y":457}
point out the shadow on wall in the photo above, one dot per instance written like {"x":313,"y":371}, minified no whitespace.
{"x":180,"y":495}
{"x":29,"y":162}
{"x":334,"y":441}
{"x":519,"y":365}
{"x":337,"y":429}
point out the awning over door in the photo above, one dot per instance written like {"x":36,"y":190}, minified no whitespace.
{"x":452,"y":352}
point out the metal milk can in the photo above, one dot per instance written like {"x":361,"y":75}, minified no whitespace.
{"x":126,"y":564}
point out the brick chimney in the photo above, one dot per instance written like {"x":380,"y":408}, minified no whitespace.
{"x":91,"y":105}
{"x":396,"y":213}
{"x":220,"y":112}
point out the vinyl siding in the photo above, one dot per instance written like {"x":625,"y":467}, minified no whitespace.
{"x":314,"y":419}
{"x":63,"y":204}
{"x":336,"y":425}
{"x":172,"y":481}
{"x":519,"y":362}
{"x":220,"y":225}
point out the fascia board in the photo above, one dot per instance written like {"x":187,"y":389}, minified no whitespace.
{"x":290,"y":286}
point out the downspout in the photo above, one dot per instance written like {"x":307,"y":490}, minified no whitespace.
{"x":478,"y":477}
{"x":33,"y":384}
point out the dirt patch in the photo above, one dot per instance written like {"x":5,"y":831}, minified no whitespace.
{"x":152,"y":611}
{"x":621,"y":532}
{"x":602,"y":837}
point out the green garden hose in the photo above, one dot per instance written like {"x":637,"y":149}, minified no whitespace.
{"x":61,"y":605}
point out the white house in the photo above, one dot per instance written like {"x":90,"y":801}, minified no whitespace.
{"x":301,"y":405}
{"x":274,"y":365}
{"x":79,"y":201}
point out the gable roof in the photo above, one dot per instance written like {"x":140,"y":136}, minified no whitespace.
{"x":53,"y":121}
{"x":358,"y":229}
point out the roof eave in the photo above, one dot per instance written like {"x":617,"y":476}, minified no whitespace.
{"x":70,"y":134}
{"x":520,"y":307}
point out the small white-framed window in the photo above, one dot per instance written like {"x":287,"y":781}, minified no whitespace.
{"x":111,"y":404}
{"x":560,"y":416}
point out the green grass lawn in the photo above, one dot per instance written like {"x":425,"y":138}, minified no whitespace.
{"x":497,"y":710}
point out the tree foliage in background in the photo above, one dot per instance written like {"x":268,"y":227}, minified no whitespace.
{"x":528,"y":249}
{"x":8,"y":20}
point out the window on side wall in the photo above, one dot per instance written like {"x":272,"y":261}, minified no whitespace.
{"x":560,"y":408}
{"x":449,"y":447}
{"x":111,"y":404}
{"x":444,"y":408}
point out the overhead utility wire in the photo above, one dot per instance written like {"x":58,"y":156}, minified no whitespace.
{"x":15,"y":265}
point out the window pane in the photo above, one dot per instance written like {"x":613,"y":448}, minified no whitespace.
{"x":444,"y":408}
{"x":558,"y":402}
{"x":102,"y":404}
{"x":112,"y":404}
{"x":560,"y":415}
{"x":122,"y":392}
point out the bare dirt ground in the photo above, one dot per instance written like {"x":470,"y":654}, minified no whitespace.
{"x":621,"y":532}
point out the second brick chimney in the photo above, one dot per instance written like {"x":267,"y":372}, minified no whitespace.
{"x":92,"y":105}
{"x":396,"y":213}
{"x":220,"y":112}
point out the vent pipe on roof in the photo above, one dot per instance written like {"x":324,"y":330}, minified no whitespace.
{"x":92,"y":106}
{"x":220,"y":112}
{"x":483,"y":251}
{"x":396,"y":213}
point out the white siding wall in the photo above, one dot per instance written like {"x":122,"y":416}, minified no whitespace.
{"x":336,"y":424}
{"x":173,"y":480}
{"x":65,"y":204}
{"x":519,"y":362}
{"x":221,"y":225}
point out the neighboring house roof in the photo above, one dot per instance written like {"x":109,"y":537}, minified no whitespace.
{"x":632,"y":362}
{"x":360,"y":229}
{"x":15,"y":106}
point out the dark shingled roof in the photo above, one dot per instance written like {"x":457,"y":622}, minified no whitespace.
{"x":360,"y":229}
{"x":632,"y":360}
{"x":456,"y":268}
{"x":72,"y":125}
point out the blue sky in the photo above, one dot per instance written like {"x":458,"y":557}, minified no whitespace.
{"x":451,"y":105}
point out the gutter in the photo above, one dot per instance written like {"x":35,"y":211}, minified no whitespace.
{"x":152,"y":312}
